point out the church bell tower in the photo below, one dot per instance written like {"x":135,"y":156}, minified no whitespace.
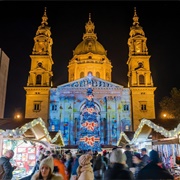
{"x":139,"y":75}
{"x":40,"y":74}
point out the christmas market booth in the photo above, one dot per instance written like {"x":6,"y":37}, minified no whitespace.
{"x":25,"y":140}
{"x":140,"y":138}
{"x":167,"y":143}
{"x":125,"y":138}
{"x":161,"y":135}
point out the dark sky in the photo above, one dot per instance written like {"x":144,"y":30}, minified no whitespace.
{"x":160,"y":21}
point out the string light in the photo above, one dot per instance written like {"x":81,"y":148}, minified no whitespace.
{"x":18,"y":132}
{"x":159,"y":129}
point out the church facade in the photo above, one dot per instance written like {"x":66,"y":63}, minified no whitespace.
{"x":90,"y":107}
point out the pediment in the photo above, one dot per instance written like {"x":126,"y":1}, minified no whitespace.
{"x":93,"y":81}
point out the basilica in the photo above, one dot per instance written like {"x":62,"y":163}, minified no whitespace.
{"x":90,"y":110}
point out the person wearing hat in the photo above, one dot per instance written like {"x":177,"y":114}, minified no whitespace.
{"x":85,"y":170}
{"x":118,"y":168}
{"x":152,"y":170}
{"x":105,"y":159}
{"x":75,"y":165}
{"x":139,"y":164}
{"x":46,"y":170}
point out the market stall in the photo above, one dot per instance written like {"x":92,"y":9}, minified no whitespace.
{"x":25,"y":141}
{"x":161,"y":135}
{"x":125,"y":138}
{"x":168,"y":147}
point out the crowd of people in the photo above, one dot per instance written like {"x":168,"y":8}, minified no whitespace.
{"x":116,"y":164}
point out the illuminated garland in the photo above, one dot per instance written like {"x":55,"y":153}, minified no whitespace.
{"x":159,"y":129}
{"x":155,"y":127}
{"x":122,"y":134}
{"x":33,"y":123}
{"x":14,"y":133}
{"x":56,"y":137}
{"x":175,"y":131}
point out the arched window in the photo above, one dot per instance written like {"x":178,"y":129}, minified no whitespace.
{"x":97,"y":74}
{"x":141,"y":79}
{"x":38,"y":79}
{"x":107,"y":76}
{"x":81,"y":74}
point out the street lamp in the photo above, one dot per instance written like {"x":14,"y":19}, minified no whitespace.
{"x":17,"y":115}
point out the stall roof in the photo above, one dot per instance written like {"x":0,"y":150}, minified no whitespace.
{"x":125,"y":138}
{"x":168,"y":129}
{"x":56,"y":138}
{"x":29,"y":129}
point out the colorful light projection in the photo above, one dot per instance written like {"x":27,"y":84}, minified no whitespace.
{"x":89,"y":132}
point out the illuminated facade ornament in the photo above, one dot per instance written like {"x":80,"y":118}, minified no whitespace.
{"x":90,"y":126}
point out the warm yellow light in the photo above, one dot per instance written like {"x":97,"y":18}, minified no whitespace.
{"x":17,"y":116}
{"x":164,"y":115}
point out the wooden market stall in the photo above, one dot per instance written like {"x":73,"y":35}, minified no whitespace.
{"x":159,"y":134}
{"x":168,"y":147}
{"x":25,"y":140}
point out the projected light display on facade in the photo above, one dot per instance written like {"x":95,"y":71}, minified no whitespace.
{"x":90,"y":112}
{"x":90,"y":116}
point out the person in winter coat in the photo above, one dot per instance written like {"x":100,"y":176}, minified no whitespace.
{"x":6,"y":169}
{"x":138,"y":164}
{"x":85,"y":170}
{"x":99,"y":167}
{"x":46,"y":171}
{"x":75,"y":165}
{"x":152,"y":170}
{"x":118,"y":168}
{"x":68,"y":164}
{"x":129,"y":155}
{"x":144,"y":156}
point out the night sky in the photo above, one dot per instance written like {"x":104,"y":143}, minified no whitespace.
{"x":19,"y":22}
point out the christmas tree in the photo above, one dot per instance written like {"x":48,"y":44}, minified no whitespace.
{"x":89,"y":133}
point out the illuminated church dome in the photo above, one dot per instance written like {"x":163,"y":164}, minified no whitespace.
{"x":89,"y":56}
{"x":89,"y":43}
